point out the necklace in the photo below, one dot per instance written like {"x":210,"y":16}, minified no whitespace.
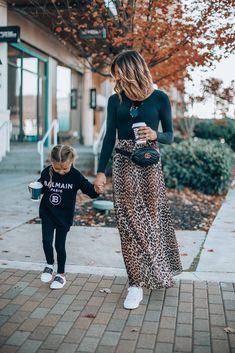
{"x":134,"y":108}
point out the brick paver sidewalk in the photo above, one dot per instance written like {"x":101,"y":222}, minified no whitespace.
{"x":189,"y":317}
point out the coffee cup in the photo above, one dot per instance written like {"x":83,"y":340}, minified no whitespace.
{"x":36,"y":190}
{"x":136,"y":127}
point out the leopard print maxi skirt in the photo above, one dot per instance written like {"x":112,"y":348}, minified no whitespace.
{"x":148,"y":241}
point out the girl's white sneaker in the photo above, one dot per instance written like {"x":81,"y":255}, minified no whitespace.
{"x":134,"y":297}
{"x":58,"y":282}
{"x":47,"y":273}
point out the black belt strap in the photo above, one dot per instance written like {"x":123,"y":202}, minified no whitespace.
{"x":125,"y":153}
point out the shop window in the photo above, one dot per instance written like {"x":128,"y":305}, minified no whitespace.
{"x":26,"y":95}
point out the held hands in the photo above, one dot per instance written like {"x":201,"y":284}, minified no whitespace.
{"x":99,"y":183}
{"x":147,"y":133}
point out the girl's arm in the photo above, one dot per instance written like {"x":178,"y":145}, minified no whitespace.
{"x":41,"y":180}
{"x":86,"y":187}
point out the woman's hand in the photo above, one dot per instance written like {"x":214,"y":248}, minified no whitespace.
{"x":100,"y":182}
{"x":147,"y":133}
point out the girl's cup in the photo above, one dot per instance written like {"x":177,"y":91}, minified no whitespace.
{"x":138,"y":139}
{"x":36,"y":190}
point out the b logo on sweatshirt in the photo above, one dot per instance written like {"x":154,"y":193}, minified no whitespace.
{"x":55,"y":199}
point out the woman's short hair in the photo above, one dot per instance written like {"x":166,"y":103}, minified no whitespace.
{"x":132,"y":75}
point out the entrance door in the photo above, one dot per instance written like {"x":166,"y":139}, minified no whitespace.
{"x":26,"y":95}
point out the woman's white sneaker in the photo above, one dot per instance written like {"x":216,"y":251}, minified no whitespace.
{"x":58,"y":282}
{"x":134,"y":297}
{"x":47,"y":273}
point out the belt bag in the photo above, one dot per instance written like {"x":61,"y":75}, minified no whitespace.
{"x":143,"y":156}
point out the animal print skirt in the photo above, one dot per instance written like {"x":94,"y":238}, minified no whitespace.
{"x":148,"y":241}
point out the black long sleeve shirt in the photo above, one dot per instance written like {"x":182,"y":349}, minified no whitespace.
{"x":58,"y":202}
{"x":153,"y":109}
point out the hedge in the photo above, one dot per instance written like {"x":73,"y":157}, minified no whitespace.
{"x":216,"y":129}
{"x":213,"y":129}
{"x":203,"y":165}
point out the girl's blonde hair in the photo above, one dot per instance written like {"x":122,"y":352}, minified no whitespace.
{"x":132,"y":75}
{"x":60,"y":154}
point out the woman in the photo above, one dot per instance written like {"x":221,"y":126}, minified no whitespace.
{"x":148,"y":242}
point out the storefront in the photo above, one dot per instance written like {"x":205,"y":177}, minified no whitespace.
{"x":41,"y":80}
{"x":27,"y":93}
{"x":44,"y":82}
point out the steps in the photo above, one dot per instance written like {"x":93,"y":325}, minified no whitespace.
{"x":23,"y":157}
{"x":85,"y":158}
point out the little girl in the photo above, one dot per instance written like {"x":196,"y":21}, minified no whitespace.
{"x":61,"y":181}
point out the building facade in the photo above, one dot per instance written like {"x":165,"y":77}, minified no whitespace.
{"x":41,"y":80}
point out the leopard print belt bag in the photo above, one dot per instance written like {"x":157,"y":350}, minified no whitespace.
{"x":143,"y":156}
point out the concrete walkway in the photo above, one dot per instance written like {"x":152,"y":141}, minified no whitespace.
{"x":82,"y":318}
{"x":204,"y":257}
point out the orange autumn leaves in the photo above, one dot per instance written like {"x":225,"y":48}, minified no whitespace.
{"x":170,"y":34}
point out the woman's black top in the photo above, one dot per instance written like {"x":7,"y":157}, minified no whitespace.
{"x":153,"y":109}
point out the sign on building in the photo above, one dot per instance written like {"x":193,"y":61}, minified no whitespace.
{"x":93,"y":33}
{"x":9,"y":34}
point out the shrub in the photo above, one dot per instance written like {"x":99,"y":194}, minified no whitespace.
{"x":178,"y":137}
{"x":203,"y":165}
{"x":217,"y":129}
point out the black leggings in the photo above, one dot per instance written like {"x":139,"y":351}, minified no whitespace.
{"x":47,"y":241}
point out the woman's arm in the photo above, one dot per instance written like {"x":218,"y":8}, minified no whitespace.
{"x":110,"y":135}
{"x":165,"y":114}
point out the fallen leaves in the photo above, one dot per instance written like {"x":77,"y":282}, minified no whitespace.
{"x":229,"y":330}
{"x":105,"y":290}
{"x":90,"y":316}
{"x":191,"y":210}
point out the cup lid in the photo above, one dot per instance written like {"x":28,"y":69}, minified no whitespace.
{"x":36,"y":185}
{"x":138,"y":125}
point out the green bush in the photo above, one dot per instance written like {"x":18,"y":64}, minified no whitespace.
{"x":202,"y":165}
{"x":178,"y":137}
{"x":216,"y":129}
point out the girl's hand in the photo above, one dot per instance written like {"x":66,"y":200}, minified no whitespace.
{"x":100,"y":182}
{"x":147,"y":133}
{"x":99,"y":189}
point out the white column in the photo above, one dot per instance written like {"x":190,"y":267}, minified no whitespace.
{"x":52,"y":113}
{"x":87,"y":112}
{"x":3,"y":58}
{"x":4,"y":113}
{"x":52,"y":82}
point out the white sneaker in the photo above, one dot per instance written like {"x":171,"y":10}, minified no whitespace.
{"x":47,"y":273}
{"x":59,"y":282}
{"x":134,"y":297}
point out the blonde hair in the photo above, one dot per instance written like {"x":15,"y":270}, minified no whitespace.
{"x":132,"y":75}
{"x":60,"y":154}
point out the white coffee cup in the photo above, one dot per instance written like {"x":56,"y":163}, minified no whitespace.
{"x":138,"y":139}
{"x":36,"y":190}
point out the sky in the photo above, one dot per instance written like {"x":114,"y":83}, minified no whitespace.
{"x":224,"y":70}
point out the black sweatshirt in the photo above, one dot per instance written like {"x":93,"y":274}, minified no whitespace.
{"x":153,"y":109}
{"x":58,"y":202}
